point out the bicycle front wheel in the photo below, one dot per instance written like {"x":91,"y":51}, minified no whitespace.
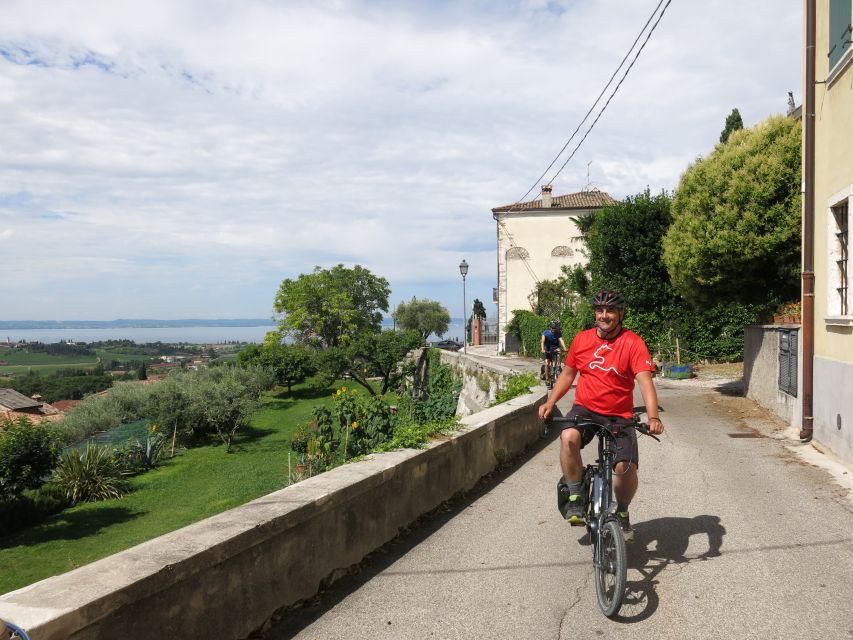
{"x":611,"y":568}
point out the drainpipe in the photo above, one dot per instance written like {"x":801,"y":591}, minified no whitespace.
{"x":807,"y":428}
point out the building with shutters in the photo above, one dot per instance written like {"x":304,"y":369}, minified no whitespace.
{"x":833,"y":202}
{"x":536,"y":239}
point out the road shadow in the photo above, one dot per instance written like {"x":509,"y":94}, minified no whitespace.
{"x":733,"y":388}
{"x":290,"y":621}
{"x":658,"y":544}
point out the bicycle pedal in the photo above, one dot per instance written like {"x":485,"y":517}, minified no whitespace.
{"x":576,"y":522}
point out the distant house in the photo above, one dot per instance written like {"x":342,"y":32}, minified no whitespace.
{"x":14,"y":405}
{"x":535,"y":240}
{"x":11,"y":400}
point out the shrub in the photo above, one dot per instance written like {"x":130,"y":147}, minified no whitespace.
{"x":300,"y":439}
{"x":27,"y":455}
{"x":137,"y":457}
{"x":516,"y":385}
{"x":90,"y":475}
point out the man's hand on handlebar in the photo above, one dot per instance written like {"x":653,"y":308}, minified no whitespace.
{"x":545,"y":412}
{"x":655,"y":426}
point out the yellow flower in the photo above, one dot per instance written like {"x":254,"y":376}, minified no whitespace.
{"x":354,"y":426}
{"x":343,"y":389}
{"x":153,"y":428}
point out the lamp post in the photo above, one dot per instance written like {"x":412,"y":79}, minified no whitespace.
{"x":463,"y":269}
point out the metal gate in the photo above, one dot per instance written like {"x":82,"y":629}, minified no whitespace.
{"x":788,"y":361}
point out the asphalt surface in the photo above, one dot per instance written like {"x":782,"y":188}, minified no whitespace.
{"x":736,"y":537}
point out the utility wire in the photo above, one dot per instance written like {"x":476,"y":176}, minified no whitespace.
{"x":598,"y":99}
{"x":625,"y":75}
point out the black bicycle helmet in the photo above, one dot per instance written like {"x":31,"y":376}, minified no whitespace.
{"x":553,"y":324}
{"x":608,"y":298}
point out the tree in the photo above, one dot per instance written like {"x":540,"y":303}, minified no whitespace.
{"x":28,"y":453}
{"x":382,"y":354}
{"x":371,"y":355}
{"x":291,"y":364}
{"x":479,"y":310}
{"x":424,"y":316}
{"x":143,"y":372}
{"x":332,"y":305}
{"x":624,"y":246}
{"x":249,"y":355}
{"x":733,"y":123}
{"x":736,"y":219}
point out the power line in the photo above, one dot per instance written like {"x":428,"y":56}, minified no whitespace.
{"x":625,"y":75}
{"x":597,"y":100}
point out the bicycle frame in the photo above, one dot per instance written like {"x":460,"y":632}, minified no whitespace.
{"x":609,"y":553}
{"x":598,"y":479}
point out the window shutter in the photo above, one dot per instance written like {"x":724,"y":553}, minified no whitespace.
{"x":839,"y":29}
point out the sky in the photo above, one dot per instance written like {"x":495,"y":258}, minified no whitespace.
{"x":165,"y":159}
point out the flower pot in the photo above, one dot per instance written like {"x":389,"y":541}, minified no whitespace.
{"x":301,"y":467}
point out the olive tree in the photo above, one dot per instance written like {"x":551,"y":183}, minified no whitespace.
{"x":424,"y":316}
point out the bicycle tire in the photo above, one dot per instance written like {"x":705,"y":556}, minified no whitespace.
{"x":611,"y":568}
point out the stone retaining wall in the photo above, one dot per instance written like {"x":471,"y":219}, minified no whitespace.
{"x":224,"y":577}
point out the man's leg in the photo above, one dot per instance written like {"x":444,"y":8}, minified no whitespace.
{"x":625,"y":483}
{"x":570,"y":455}
{"x":572,"y":504}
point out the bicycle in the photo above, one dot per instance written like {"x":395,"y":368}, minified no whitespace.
{"x":609,"y":555}
{"x":15,"y":632}
{"x":555,"y":367}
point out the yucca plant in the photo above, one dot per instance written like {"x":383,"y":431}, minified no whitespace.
{"x":90,"y":475}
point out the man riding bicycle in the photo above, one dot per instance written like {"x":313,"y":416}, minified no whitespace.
{"x":608,"y":358}
{"x":552,"y":340}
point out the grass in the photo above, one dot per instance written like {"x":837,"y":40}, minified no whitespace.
{"x":201,"y":482}
{"x":21,"y":362}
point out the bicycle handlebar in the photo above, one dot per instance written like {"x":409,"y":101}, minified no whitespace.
{"x":586,"y":423}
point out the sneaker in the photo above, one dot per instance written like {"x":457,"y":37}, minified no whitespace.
{"x":625,"y":523}
{"x":574,"y":510}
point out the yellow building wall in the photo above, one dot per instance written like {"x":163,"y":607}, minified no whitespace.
{"x":833,"y":175}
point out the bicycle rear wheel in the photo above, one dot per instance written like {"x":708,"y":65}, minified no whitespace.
{"x":611,"y":568}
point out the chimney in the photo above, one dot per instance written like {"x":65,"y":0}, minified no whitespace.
{"x":546,"y":196}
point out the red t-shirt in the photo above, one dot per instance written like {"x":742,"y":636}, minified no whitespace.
{"x":607,"y":369}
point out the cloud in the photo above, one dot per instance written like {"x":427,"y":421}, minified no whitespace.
{"x":181,"y":159}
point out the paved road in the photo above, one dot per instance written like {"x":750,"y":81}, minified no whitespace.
{"x":736,"y":537}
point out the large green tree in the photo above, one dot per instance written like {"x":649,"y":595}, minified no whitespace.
{"x":424,"y":316}
{"x":624,"y":247}
{"x":332,"y":305}
{"x":736,"y":219}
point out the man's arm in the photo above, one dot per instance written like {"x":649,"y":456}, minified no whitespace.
{"x":561,"y":387}
{"x":563,"y":344}
{"x":542,"y":344}
{"x":650,"y":399}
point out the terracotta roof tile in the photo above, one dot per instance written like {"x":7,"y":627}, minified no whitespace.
{"x":581,"y":200}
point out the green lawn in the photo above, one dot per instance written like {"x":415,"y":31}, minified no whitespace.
{"x":21,"y":362}
{"x":200,"y":483}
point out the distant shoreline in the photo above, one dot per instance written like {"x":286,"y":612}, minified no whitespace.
{"x":13,"y":325}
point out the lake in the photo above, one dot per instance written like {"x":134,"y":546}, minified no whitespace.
{"x":141,"y":335}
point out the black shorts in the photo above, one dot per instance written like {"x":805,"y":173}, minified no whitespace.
{"x":626,"y":440}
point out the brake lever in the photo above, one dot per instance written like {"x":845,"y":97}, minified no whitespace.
{"x":644,"y":429}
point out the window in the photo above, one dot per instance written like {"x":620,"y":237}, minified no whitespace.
{"x":842,"y":250}
{"x":839,"y":31}
{"x":838,"y":237}
{"x":788,"y":361}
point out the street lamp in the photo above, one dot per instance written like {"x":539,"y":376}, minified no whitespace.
{"x":463,"y":269}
